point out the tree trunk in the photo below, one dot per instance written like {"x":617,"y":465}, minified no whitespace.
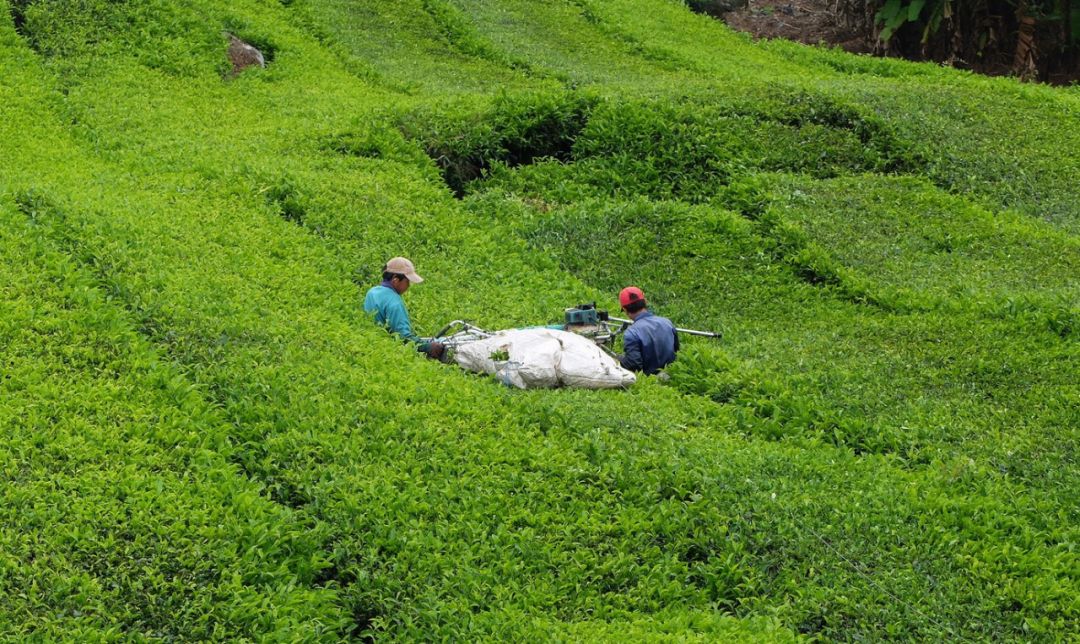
{"x":1025,"y":60}
{"x":1066,"y":23}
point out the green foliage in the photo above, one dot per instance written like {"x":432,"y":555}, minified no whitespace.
{"x":124,"y":511}
{"x":515,"y":130}
{"x":207,"y":439}
{"x":893,"y":14}
{"x":455,"y":27}
{"x":991,"y":30}
{"x":923,"y":244}
{"x":162,"y":35}
{"x":658,"y":148}
{"x":386,"y":36}
{"x":568,"y":41}
{"x":688,"y":150}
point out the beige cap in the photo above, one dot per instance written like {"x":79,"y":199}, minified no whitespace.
{"x":405,"y":267}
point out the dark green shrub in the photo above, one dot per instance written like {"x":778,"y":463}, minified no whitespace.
{"x":515,"y":130}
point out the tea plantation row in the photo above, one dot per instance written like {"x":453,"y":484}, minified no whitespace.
{"x":207,"y":439}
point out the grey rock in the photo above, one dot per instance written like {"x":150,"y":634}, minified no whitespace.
{"x":242,"y":55}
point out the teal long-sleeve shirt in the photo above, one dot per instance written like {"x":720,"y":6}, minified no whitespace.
{"x":389,"y":310}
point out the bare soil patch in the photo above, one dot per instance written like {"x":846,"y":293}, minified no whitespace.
{"x":807,"y":21}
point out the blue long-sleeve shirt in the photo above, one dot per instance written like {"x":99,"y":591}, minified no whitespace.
{"x":389,"y":310}
{"x":649,"y":344}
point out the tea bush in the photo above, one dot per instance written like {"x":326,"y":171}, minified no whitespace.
{"x":866,"y":455}
{"x":558,"y":39}
{"x":951,"y":249}
{"x":659,"y":148}
{"x":756,"y":273}
{"x":965,"y":126}
{"x":515,"y":130}
{"x":121,"y":509}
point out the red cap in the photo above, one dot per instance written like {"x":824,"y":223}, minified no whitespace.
{"x":629,"y":295}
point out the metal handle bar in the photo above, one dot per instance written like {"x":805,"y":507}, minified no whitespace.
{"x":465,"y":326}
{"x":706,"y":334}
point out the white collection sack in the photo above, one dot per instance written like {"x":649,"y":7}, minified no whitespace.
{"x":544,"y":358}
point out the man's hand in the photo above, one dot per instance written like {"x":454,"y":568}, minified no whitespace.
{"x":436,"y":350}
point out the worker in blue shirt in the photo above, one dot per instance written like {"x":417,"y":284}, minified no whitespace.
{"x":651,"y":342}
{"x":384,"y":301}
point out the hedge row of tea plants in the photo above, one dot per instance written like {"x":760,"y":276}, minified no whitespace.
{"x":1008,"y":145}
{"x":235,"y":223}
{"x":732,"y":276}
{"x":750,"y":272}
{"x":121,"y":511}
{"x":416,"y":45}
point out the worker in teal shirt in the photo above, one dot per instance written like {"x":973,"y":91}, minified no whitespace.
{"x":385,"y":302}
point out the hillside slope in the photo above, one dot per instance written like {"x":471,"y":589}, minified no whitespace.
{"x":205,"y":438}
